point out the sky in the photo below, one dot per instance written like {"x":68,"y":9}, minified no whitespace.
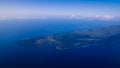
{"x":31,"y":8}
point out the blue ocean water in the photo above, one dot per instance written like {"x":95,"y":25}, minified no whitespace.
{"x":16,"y":56}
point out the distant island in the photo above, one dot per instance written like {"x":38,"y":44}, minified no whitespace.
{"x":84,"y":38}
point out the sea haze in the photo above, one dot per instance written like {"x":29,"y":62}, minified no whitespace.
{"x":16,"y":56}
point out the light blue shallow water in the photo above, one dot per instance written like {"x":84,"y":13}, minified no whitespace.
{"x":15,"y":56}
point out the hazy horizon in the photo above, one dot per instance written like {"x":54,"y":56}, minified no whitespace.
{"x":35,"y":8}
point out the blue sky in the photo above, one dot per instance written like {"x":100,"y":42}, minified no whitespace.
{"x":13,"y":8}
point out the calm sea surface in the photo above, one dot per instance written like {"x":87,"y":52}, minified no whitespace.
{"x":16,"y":56}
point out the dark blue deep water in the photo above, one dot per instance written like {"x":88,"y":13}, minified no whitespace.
{"x":16,"y":56}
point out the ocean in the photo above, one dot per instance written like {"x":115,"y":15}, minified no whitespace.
{"x":18,"y":56}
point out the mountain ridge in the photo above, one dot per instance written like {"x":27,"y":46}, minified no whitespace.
{"x":78,"y":38}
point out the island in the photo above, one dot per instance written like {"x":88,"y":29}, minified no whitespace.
{"x":80,"y":38}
